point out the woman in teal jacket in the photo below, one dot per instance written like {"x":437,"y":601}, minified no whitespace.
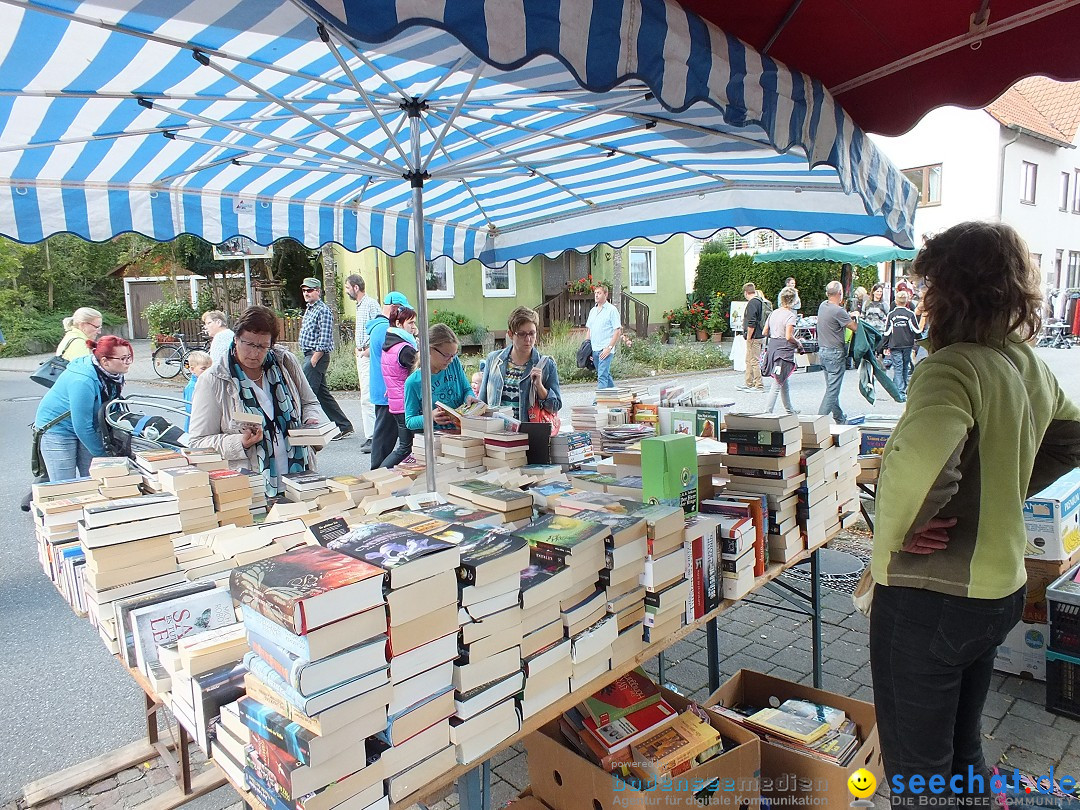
{"x":449,"y":382}
{"x":76,"y":399}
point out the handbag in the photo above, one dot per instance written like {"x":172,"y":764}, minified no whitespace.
{"x":536,"y":412}
{"x":584,"y":355}
{"x":47,"y":373}
{"x":863,"y":596}
{"x":37,"y":461}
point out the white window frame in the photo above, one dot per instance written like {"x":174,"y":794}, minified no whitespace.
{"x":509,"y":292}
{"x":1063,"y":192}
{"x":1076,"y":192}
{"x":1029,"y":182}
{"x":923,"y":184}
{"x":651,"y":252}
{"x":1072,"y":278}
{"x":448,"y":266}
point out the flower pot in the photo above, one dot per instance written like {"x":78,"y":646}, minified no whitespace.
{"x":717,"y":337}
{"x":702,"y":335}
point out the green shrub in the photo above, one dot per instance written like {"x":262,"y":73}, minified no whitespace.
{"x":636,"y":357}
{"x":165,"y":314}
{"x":463,"y":326}
{"x":341,"y":375}
{"x":30,"y":331}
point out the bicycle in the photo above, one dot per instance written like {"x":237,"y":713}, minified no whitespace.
{"x":170,"y":359}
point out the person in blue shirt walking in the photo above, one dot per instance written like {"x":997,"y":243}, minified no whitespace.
{"x":316,"y":342}
{"x":385,"y":435}
{"x":605,"y":328}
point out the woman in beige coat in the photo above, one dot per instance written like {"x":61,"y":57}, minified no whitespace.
{"x":259,"y":378}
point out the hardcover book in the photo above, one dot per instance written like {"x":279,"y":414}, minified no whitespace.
{"x":672,"y":748}
{"x":177,"y":618}
{"x":307,"y":587}
{"x":487,"y":555}
{"x":404,"y":555}
{"x":562,"y":533}
{"x":633,"y":691}
{"x":455,"y":513}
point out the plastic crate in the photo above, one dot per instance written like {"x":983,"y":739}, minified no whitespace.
{"x":1062,"y":684}
{"x":1063,"y":611}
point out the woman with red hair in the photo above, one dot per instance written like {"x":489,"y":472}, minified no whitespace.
{"x":70,"y":410}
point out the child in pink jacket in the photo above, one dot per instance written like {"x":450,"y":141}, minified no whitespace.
{"x":398,"y":361}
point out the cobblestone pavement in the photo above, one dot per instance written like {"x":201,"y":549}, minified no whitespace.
{"x":759,"y":634}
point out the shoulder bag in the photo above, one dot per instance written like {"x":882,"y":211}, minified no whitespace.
{"x":47,"y":373}
{"x":37,"y":462}
{"x":537,"y":413}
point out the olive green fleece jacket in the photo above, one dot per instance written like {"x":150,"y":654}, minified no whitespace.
{"x":984,"y":429}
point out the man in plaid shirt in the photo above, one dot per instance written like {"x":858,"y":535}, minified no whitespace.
{"x":366,"y":309}
{"x":316,"y":342}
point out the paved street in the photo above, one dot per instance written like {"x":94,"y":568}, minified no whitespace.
{"x":70,"y":700}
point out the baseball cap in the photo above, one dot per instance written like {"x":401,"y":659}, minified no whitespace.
{"x":311,"y":282}
{"x":396,"y":298}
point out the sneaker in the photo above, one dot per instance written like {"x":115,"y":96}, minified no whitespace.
{"x":409,"y":459}
{"x":343,"y":435}
{"x":366,"y":447}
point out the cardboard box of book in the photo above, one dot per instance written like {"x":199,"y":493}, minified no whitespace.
{"x":811,"y":775}
{"x":564,"y":780}
{"x":1052,"y":520}
{"x":1023,"y":652}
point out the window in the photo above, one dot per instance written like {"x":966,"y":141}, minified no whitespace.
{"x":642,"y":270}
{"x":1063,"y":202}
{"x":500,"y":282}
{"x":440,"y":278}
{"x":927,"y":180}
{"x":1076,"y":192}
{"x":1028,"y":175}
{"x":1074,"y":269}
{"x":1059,"y":259}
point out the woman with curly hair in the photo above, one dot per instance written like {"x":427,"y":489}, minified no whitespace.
{"x":258,"y":377}
{"x":986,"y":425}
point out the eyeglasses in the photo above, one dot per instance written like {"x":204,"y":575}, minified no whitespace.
{"x":444,"y":355}
{"x":307,"y":289}
{"x":528,"y":335}
{"x":127,"y":361}
{"x":258,"y":347}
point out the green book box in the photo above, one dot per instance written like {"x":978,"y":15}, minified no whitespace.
{"x":669,"y":471}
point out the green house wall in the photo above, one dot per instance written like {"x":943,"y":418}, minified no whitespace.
{"x":670,"y":274}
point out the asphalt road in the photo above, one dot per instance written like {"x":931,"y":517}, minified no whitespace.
{"x":64,"y":699}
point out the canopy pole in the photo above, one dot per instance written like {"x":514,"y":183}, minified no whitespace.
{"x":416,"y":177}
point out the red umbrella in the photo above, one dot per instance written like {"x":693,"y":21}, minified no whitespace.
{"x":889,"y":63}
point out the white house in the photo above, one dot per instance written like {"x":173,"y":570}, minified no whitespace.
{"x":1015,"y":161}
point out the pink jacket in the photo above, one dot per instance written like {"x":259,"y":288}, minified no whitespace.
{"x":398,"y":358}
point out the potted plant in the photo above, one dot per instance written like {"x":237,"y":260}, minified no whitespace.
{"x":716,"y":324}
{"x":581,"y":288}
{"x":697,"y":315}
{"x":674,"y":326}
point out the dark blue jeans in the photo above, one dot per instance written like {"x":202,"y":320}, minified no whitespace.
{"x":900,"y":359}
{"x":931,"y":656}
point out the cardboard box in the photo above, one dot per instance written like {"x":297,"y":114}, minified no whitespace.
{"x":564,"y":780}
{"x":1052,"y":520}
{"x":793,"y":774}
{"x":669,"y":472}
{"x":1040,"y":573}
{"x":1024,"y":651}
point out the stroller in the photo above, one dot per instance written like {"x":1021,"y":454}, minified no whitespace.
{"x":129,"y":430}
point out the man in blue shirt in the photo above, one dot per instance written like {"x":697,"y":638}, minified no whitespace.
{"x":605,"y":328}
{"x":316,"y":342}
{"x":385,"y":434}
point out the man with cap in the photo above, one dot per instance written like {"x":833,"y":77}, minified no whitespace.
{"x":384,"y":436}
{"x":316,"y":342}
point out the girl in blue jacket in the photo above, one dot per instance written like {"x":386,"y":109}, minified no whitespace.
{"x":76,"y":398}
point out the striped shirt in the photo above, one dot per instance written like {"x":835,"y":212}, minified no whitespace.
{"x":317,"y":328}
{"x":366,"y":309}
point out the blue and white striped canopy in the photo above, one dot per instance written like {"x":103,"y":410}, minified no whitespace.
{"x":541,"y":125}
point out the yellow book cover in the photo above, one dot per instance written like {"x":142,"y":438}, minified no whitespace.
{"x":802,"y":729}
{"x":675,"y":745}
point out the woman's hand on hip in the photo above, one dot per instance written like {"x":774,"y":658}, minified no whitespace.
{"x":930,"y":537}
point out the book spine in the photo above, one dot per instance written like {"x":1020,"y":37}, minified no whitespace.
{"x":287,"y":665}
{"x":267,"y":675}
{"x":276,"y":728}
{"x":259,"y":691}
{"x":746,"y":449}
{"x":550,"y":554}
{"x":688,"y":574}
{"x":264,"y":782}
{"x":698,"y":586}
{"x":763,"y":438}
{"x":711,"y":570}
{"x":753,"y":472}
{"x":275,"y":633}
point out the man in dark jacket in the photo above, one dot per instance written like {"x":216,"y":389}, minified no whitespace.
{"x":901,"y":331}
{"x":752,"y":327}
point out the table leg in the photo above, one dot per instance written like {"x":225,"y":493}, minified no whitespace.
{"x":815,"y":615}
{"x":151,"y":719}
{"x":661,"y":668}
{"x":712,"y":641}
{"x":474,"y":788}
{"x":183,"y":740}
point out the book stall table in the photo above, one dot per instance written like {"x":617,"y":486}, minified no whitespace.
{"x":474,"y":780}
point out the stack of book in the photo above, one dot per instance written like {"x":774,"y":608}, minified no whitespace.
{"x":664,"y":578}
{"x":232,"y":497}
{"x":419,"y":583}
{"x":150,"y":462}
{"x":460,"y":513}
{"x":258,"y":491}
{"x":203,"y":672}
{"x":191,"y":486}
{"x":701,"y":548}
{"x":615,"y":438}
{"x":304,"y":486}
{"x":354,"y":486}
{"x":317,"y":682}
{"x":616,"y":397}
{"x":488,"y":672}
{"x":116,"y":477}
{"x":846,"y":442}
{"x":545,"y":649}
{"x":512,"y":505}
{"x":204,"y":458}
{"x":505,"y":450}
{"x":579,"y":545}
{"x":129,"y":539}
{"x":741,"y":533}
{"x":820,"y":731}
{"x":464,"y":453}
{"x":316,"y":436}
{"x":823,"y":460}
{"x":589,"y":420}
{"x":57,"y":509}
{"x":572,"y":449}
{"x":211,"y":555}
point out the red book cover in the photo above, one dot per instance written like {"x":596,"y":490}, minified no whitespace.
{"x":699,"y":578}
{"x":633,"y":691}
{"x":618,"y":734}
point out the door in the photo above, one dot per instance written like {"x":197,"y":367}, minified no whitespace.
{"x":555,"y":273}
{"x":142,"y":294}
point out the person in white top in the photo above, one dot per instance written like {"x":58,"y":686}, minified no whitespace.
{"x":216,"y":324}
{"x":366,"y":309}
{"x":605,"y":328}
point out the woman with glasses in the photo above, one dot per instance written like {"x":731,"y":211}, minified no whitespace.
{"x":257,"y":377}
{"x":449,"y":382}
{"x":71,"y":409}
{"x":514,"y":374}
{"x":81,"y":327}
